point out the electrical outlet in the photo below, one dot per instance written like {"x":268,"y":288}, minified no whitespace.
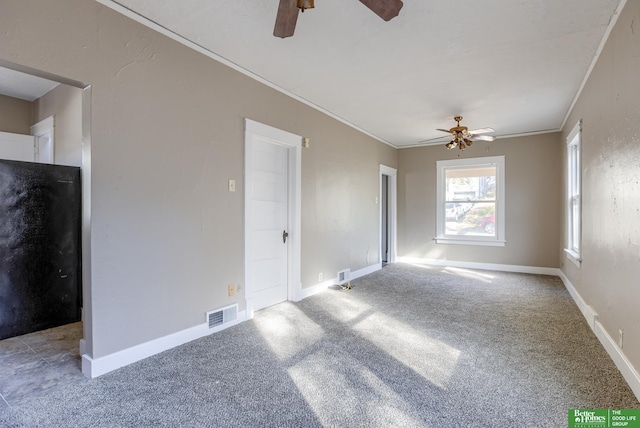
{"x":620,"y":337}
{"x":232,"y":290}
{"x":320,"y":277}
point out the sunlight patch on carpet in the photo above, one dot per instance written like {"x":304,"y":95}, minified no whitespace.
{"x":472,"y":274}
{"x":287,"y":330}
{"x":430,"y":358}
{"x":326,"y":383}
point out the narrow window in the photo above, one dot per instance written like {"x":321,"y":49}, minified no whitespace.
{"x":470,"y":201}
{"x":574,"y":201}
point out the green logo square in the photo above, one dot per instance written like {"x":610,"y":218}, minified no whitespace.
{"x":604,"y":418}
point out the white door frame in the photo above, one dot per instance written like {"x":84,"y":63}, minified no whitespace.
{"x":44,"y":134}
{"x":392,"y":186}
{"x":294,"y":145}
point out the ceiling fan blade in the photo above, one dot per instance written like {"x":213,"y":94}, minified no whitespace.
{"x":482,"y":131}
{"x":443,"y":130}
{"x":286,"y":18}
{"x":385,"y":9}
{"x":483,"y":137}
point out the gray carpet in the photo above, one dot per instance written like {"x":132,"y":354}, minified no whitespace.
{"x":407,"y":347}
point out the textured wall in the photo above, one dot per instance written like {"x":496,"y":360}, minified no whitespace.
{"x":167,"y":135}
{"x":15,"y":115}
{"x":610,"y":110}
{"x":533,"y":190}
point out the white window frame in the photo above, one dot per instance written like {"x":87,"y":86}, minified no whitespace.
{"x":574,"y":195}
{"x":494,"y":241}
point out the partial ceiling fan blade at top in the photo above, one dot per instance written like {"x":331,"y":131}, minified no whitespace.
{"x":482,"y":131}
{"x":286,"y":18}
{"x":483,"y":137}
{"x":443,"y":130}
{"x":385,"y":9}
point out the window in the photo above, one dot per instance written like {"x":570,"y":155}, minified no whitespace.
{"x":470,"y":201}
{"x":574,"y":203}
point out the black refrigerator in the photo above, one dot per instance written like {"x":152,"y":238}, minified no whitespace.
{"x":40,"y":247}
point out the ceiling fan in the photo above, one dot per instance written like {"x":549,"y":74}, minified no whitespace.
{"x":288,"y":13}
{"x":463,"y":138}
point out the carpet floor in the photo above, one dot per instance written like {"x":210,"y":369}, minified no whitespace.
{"x":408,"y":346}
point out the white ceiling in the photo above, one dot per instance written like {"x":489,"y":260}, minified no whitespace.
{"x":23,"y":86}
{"x":514,"y":65}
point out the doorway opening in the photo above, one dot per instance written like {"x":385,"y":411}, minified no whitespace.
{"x":387,"y":198}
{"x":49,"y":107}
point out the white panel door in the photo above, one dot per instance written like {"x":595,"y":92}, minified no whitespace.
{"x":17,"y":147}
{"x":268,"y":228}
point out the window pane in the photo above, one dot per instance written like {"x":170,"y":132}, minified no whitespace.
{"x":470,"y":201}
{"x":470,"y":184}
{"x":470,"y":218}
{"x":575,"y":226}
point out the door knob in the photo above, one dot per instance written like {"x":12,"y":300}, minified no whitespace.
{"x":284,"y":236}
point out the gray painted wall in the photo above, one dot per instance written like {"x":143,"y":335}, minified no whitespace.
{"x":533,"y":192}
{"x":610,"y":110}
{"x":167,"y":135}
{"x":15,"y":115}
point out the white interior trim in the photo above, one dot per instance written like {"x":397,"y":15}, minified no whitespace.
{"x":605,"y":37}
{"x":392,"y":215}
{"x":85,"y":173}
{"x":482,"y":266}
{"x":94,"y":367}
{"x":293,"y":143}
{"x":323,"y":286}
{"x":627,"y":369}
{"x":44,"y":134}
{"x":500,"y":202}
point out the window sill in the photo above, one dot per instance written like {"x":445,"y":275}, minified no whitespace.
{"x":573,"y":257}
{"x":481,"y":242}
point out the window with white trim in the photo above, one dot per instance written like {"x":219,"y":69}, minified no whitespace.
{"x":471,"y":201}
{"x":574,"y":199}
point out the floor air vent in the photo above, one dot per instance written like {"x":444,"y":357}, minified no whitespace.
{"x":344,"y":276}
{"x":222,"y":316}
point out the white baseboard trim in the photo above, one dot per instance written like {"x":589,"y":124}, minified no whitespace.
{"x":587,"y":311}
{"x":94,"y":367}
{"x":483,"y":266}
{"x":627,"y":370}
{"x":366,"y":270}
{"x":315,"y":289}
{"x":319,"y":288}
